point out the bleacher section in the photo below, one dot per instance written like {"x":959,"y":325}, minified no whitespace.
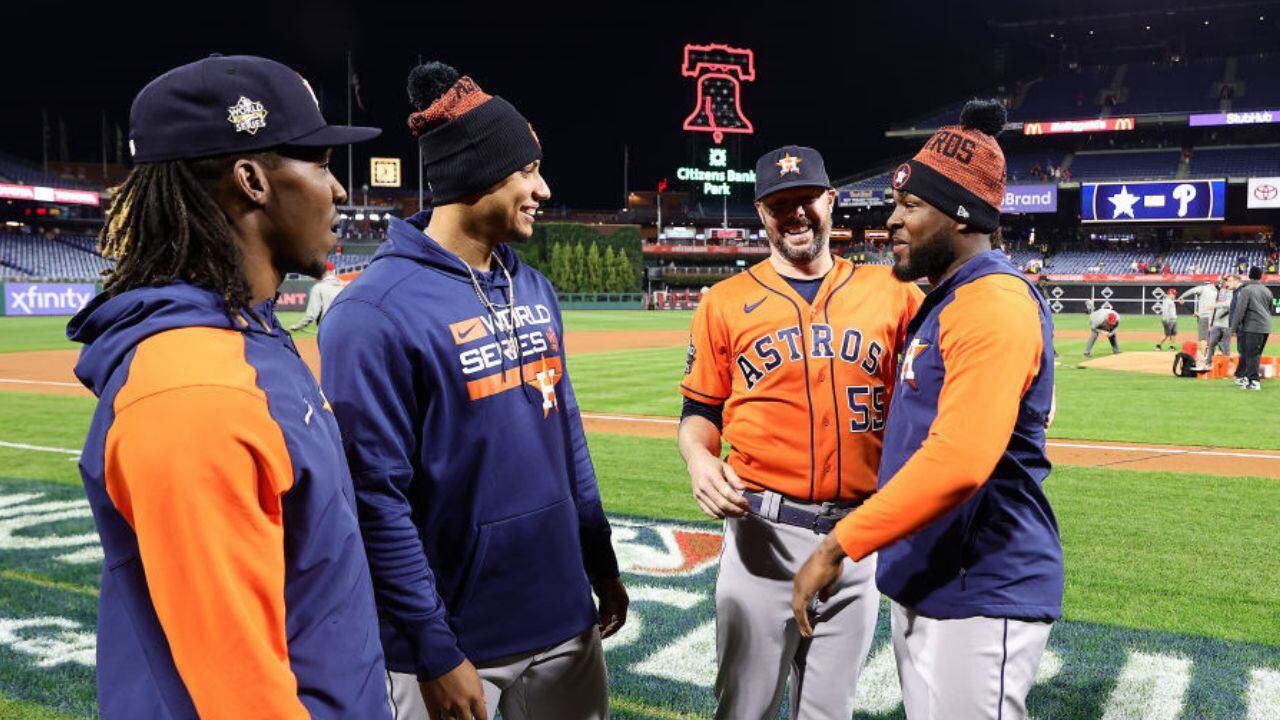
{"x":1064,"y":95}
{"x":1259,"y":83}
{"x":1018,"y":167}
{"x":1257,"y":160}
{"x":18,"y":172}
{"x":1216,"y":259}
{"x":69,"y":258}
{"x":1073,"y":262}
{"x":1135,"y":165}
{"x":1159,"y":88}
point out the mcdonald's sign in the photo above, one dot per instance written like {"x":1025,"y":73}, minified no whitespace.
{"x":1058,"y":127}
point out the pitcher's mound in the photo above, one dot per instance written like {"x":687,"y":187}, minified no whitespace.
{"x":1160,"y":363}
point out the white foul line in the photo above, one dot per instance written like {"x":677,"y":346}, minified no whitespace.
{"x":1080,"y":446}
{"x":38,"y":448}
{"x":40,"y":382}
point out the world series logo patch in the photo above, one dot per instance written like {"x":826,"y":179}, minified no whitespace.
{"x":247,"y":115}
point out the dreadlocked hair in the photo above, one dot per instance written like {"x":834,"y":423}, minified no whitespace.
{"x":164,"y":226}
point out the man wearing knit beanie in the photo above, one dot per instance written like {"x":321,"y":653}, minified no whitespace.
{"x":968,"y":546}
{"x":479,"y":509}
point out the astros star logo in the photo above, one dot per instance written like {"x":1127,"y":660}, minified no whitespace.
{"x":789,"y":164}
{"x":247,"y":115}
{"x":901,"y":175}
{"x":913,"y":351}
{"x":1123,"y":202}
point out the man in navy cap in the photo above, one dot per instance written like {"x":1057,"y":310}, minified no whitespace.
{"x":235,"y":583}
{"x":791,"y":363}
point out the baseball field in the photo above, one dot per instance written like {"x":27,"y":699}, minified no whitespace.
{"x":1167,"y":492}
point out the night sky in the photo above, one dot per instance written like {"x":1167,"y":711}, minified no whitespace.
{"x":830,"y":75}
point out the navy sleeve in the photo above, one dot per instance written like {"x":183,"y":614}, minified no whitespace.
{"x":598,"y":557}
{"x":369,"y":378}
{"x":714,"y":413}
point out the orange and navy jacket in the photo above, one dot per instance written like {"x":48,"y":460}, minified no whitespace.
{"x":234,"y":584}
{"x":961,"y":521}
{"x":478,"y":501}
{"x":805,"y":388}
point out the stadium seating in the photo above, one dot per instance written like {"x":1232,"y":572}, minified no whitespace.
{"x":1215,"y":259}
{"x":1094,"y":261}
{"x":1259,"y":82}
{"x":1064,"y":95}
{"x":1150,"y":165}
{"x":1236,"y":161}
{"x":1158,"y":88}
{"x":68,"y":258}
{"x":16,"y":171}
{"x":1018,"y":167}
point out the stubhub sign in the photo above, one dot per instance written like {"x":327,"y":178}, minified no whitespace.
{"x":1030,"y":199}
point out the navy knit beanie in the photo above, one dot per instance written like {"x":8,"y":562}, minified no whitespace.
{"x":470,"y":140}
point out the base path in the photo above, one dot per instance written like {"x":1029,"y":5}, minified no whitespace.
{"x":1087,"y":453}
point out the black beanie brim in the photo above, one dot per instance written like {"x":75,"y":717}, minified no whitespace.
{"x":476,"y":150}
{"x":948,"y":196}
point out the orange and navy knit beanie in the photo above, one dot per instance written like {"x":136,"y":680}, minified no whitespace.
{"x":470,"y":139}
{"x":960,"y":171}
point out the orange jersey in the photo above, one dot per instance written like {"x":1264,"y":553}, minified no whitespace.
{"x":804,"y":387}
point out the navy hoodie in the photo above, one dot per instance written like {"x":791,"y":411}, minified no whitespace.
{"x":478,"y":502}
{"x":234,"y":583}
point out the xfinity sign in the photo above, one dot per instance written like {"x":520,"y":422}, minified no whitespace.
{"x":1020,"y":199}
{"x":46,"y":298}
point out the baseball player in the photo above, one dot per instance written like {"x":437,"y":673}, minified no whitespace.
{"x":1205,"y":297}
{"x":968,"y":546}
{"x":792,"y":363}
{"x":235,"y":583}
{"x":479,"y":506}
{"x":320,"y":299}
{"x":1168,"y":319}
{"x":1103,"y":321}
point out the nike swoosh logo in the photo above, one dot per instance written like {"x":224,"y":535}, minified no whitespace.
{"x":749,"y":308}
{"x":463,"y":335}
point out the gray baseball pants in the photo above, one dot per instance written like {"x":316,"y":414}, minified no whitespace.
{"x":1093,"y":337}
{"x":969,"y":669}
{"x":757,"y":642}
{"x":563,"y":682}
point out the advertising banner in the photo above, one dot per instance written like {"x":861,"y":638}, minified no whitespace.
{"x":1264,"y":192}
{"x":26,"y":299}
{"x":1058,"y":127}
{"x":1255,"y":117}
{"x":51,"y":195}
{"x":1143,"y":201}
{"x":1027,"y":199}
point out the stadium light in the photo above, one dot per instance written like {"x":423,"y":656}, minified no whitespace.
{"x":373,"y":217}
{"x":359,"y":216}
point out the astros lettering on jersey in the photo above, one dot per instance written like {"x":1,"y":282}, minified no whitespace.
{"x":805,"y":388}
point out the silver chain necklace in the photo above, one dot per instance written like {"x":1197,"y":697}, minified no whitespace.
{"x":493,"y":307}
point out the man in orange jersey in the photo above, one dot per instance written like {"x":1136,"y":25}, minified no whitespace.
{"x":967,"y":544}
{"x":792,"y":363}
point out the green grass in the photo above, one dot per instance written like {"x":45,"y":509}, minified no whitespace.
{"x":22,"y":334}
{"x":1180,"y":553}
{"x":576,"y":320}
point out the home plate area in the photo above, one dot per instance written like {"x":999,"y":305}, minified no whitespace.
{"x":662,"y":663}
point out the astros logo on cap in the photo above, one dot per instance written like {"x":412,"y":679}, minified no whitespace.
{"x":247,"y":115}
{"x":901,"y":176}
{"x":789,"y":164}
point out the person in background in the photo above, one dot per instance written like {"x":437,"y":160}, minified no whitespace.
{"x":1205,"y":297}
{"x":1220,"y":326}
{"x":322,"y":295}
{"x":1168,"y":319}
{"x":1106,"y":321}
{"x":1252,"y":321}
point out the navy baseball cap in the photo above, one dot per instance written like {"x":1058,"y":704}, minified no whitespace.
{"x":790,"y":166}
{"x":230,"y":104}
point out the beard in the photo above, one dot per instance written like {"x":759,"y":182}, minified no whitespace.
{"x":928,"y":259}
{"x":808,"y":253}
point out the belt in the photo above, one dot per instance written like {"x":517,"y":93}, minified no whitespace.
{"x":821,"y":518}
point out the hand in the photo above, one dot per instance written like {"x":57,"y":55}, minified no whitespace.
{"x":613,"y":605}
{"x":455,"y":695}
{"x":817,"y":577}
{"x":1053,"y":409}
{"x":716,"y":487}
{"x":295,"y":328}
